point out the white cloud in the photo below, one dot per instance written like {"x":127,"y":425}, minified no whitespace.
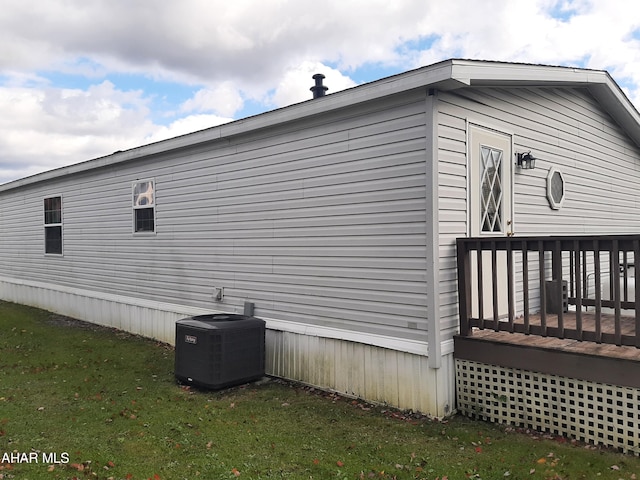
{"x":224,"y":99}
{"x":47,"y":127}
{"x":185,"y":125}
{"x":263,"y":54}
{"x":206,"y":40}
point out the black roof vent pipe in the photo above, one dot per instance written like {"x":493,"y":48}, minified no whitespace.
{"x":318,"y":89}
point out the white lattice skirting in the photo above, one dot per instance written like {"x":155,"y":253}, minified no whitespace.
{"x":587,"y":411}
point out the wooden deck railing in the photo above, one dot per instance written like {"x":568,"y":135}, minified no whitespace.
{"x":580,"y":288}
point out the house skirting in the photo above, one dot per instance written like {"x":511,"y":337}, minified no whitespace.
{"x":587,"y":410}
{"x":381,"y":370}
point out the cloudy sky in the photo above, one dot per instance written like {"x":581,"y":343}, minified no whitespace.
{"x":80,"y":79}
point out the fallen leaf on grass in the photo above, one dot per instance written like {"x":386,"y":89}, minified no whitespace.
{"x":615,"y":467}
{"x":235,"y":472}
{"x":339,"y":463}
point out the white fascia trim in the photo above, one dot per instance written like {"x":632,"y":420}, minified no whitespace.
{"x":400,"y":344}
{"x":415,"y":347}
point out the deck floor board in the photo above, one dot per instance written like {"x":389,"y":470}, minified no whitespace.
{"x":627,"y":325}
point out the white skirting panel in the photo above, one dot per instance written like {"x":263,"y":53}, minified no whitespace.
{"x":397,"y":377}
{"x":150,"y":319}
{"x":378,"y":375}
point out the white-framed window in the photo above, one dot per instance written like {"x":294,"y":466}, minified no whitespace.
{"x":555,"y":188}
{"x":144,"y":206}
{"x":53,"y":225}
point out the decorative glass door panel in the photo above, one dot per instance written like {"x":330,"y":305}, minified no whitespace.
{"x":491,"y":191}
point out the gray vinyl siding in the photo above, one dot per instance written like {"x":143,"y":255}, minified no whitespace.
{"x":565,"y":128}
{"x":320,"y":221}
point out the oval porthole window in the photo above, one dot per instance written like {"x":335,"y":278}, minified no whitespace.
{"x":555,"y":188}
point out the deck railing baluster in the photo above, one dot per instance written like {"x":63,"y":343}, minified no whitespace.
{"x":525,"y":285}
{"x":494,"y":285}
{"x":598,"y":281}
{"x":625,"y":278}
{"x":572,"y":279}
{"x":510,"y":285}
{"x":543,"y":290}
{"x":601,"y":309}
{"x":557,"y":276}
{"x":615,"y":255}
{"x":578,"y":277}
{"x":479,"y":262}
{"x":585,"y":292}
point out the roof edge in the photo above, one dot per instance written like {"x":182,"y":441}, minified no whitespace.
{"x":445,"y":75}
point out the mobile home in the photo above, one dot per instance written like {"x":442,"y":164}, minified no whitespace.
{"x":335,"y":219}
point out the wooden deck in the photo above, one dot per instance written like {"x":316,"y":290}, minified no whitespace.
{"x":600,"y":362}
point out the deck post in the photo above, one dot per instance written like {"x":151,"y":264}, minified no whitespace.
{"x":464,"y":286}
{"x":636,"y":268}
{"x":598,"y":292}
{"x":525,"y":285}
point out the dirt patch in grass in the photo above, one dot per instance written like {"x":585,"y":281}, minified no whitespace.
{"x":55,"y":320}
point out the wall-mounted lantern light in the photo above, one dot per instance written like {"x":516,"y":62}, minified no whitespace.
{"x":526,"y":160}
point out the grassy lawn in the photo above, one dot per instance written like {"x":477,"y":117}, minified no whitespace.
{"x":78,"y":401}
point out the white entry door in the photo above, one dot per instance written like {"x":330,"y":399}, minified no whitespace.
{"x":490,"y":210}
